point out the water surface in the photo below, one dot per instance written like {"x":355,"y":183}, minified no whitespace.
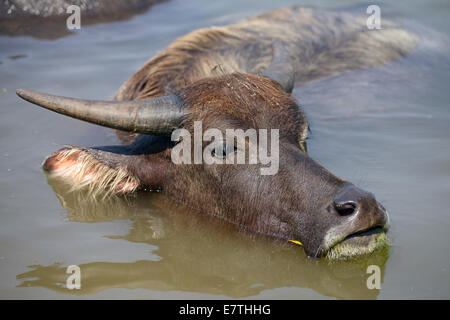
{"x":385,"y":129}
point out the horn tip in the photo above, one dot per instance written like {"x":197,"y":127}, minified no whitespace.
{"x":22,"y":93}
{"x":27,"y":95}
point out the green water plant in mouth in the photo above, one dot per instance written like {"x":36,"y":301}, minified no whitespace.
{"x":358,"y":246}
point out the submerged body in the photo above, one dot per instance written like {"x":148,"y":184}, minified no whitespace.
{"x":211,"y":75}
{"x":319,"y":42}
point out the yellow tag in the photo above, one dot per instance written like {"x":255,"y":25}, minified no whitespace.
{"x":296,"y":242}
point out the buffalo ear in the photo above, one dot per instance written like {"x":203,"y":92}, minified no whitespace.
{"x":104,"y":172}
{"x":281,"y":69}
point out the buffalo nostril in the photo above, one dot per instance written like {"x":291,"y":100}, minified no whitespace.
{"x":350,"y":200}
{"x":345,"y":208}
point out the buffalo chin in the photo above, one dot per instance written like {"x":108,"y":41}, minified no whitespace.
{"x":359,"y":245}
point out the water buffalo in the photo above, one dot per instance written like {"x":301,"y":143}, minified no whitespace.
{"x":239,"y":77}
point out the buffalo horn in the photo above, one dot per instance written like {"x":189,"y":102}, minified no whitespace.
{"x":157,"y":116}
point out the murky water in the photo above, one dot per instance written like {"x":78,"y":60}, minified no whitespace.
{"x":385,"y":129}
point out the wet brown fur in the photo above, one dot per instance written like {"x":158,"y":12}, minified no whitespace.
{"x":320,"y":43}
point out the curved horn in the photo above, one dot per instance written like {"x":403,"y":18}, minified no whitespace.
{"x":281,"y":70}
{"x":157,"y":116}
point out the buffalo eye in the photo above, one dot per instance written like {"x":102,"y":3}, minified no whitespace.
{"x":221,"y":152}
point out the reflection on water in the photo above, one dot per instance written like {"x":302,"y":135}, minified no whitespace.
{"x":197,"y":253}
